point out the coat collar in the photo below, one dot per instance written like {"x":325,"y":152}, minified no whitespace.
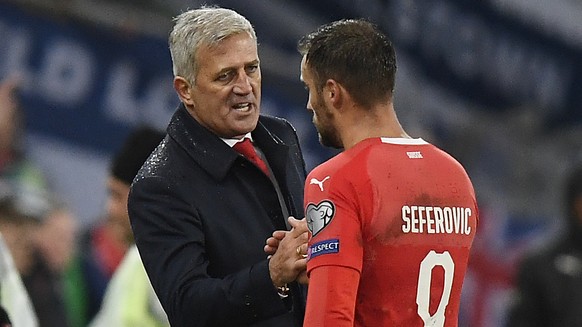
{"x":207,"y":149}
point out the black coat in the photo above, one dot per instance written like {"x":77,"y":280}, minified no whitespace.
{"x":201,"y":214}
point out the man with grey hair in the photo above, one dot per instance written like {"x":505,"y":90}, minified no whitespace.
{"x":223,"y":180}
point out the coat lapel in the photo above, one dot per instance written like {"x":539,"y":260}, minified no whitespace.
{"x":207,"y":149}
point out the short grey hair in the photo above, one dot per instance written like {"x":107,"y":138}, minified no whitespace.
{"x":203,"y":27}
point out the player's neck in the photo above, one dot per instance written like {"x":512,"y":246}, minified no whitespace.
{"x":362,"y":124}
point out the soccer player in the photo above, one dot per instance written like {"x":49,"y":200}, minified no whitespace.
{"x":392,"y":218}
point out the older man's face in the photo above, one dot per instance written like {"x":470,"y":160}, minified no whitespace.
{"x":226,"y":93}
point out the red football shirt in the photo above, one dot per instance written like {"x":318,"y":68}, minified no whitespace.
{"x":392,"y":222}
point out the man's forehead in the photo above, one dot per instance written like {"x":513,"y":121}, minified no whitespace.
{"x":226,"y":53}
{"x":305,"y":73}
{"x":218,"y":42}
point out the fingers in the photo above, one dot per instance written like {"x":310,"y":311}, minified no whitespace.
{"x":269,"y":250}
{"x":298,"y":231}
{"x":300,"y":264}
{"x":271,"y":245}
{"x":279,"y":234}
{"x":302,"y":250}
{"x":272,"y":241}
{"x":298,"y":226}
{"x":287,"y":251}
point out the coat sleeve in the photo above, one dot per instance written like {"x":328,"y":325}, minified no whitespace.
{"x":170,"y":238}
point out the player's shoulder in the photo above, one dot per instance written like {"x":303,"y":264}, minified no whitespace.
{"x":332,"y":165}
{"x":438,"y":154}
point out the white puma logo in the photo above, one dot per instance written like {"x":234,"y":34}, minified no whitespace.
{"x":320,"y":184}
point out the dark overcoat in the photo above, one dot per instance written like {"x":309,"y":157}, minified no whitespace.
{"x":201,"y":213}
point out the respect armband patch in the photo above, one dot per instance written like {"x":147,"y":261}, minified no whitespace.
{"x":324,"y":247}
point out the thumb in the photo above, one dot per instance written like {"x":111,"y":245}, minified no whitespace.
{"x":299,"y":225}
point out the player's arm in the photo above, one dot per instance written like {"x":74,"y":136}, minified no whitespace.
{"x":331,"y":298}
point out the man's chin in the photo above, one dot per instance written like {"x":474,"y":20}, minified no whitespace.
{"x":328,"y":142}
{"x":241,"y":132}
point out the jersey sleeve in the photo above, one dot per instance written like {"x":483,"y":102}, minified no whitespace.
{"x":331,"y":300}
{"x":333,"y":219}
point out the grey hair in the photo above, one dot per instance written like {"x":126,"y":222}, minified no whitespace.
{"x":203,"y":27}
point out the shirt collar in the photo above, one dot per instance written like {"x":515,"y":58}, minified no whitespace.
{"x":232,"y":142}
{"x":403,"y":141}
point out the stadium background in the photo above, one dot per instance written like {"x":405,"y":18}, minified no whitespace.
{"x":497,"y":83}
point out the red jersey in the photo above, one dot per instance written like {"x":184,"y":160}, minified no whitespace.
{"x":398,"y":214}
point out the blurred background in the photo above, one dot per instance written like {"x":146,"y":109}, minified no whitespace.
{"x":496,"y":83}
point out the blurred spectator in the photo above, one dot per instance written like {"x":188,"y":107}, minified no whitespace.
{"x":108,"y":241}
{"x":55,"y":289}
{"x":549,"y":281}
{"x":54,"y":247}
{"x":14,"y":167}
{"x":15,"y":254}
{"x":130,"y":299}
{"x":16,"y":175}
{"x":16,"y":306}
{"x":17,"y":225}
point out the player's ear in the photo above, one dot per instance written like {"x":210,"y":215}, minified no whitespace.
{"x":333,"y":93}
{"x":183,"y":88}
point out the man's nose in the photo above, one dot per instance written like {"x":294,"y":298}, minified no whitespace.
{"x":242,"y":84}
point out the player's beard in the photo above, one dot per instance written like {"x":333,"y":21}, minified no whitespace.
{"x":323,"y":119}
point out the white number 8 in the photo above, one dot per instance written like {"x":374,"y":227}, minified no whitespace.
{"x":432,"y":260}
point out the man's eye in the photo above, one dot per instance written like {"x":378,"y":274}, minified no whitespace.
{"x":224,"y":76}
{"x":252,"y":68}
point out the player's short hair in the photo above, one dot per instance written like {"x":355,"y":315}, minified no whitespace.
{"x":356,"y":54}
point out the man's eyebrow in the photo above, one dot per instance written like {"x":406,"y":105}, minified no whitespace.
{"x":231,"y":68}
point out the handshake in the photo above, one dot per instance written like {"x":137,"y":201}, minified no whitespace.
{"x":287,"y":254}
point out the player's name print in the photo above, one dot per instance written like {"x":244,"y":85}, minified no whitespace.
{"x":436,"y":220}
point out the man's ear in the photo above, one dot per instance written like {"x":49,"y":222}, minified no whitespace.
{"x":183,"y":88}
{"x":334,"y":93}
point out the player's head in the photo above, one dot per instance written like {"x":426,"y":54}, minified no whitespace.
{"x":323,"y":115}
{"x":356,"y":54}
{"x":351,"y":55}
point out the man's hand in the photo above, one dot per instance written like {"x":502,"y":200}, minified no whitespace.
{"x":287,"y":251}
{"x":273,"y":242}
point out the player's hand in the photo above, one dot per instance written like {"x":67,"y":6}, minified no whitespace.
{"x":288,"y":259}
{"x":272,"y":242}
